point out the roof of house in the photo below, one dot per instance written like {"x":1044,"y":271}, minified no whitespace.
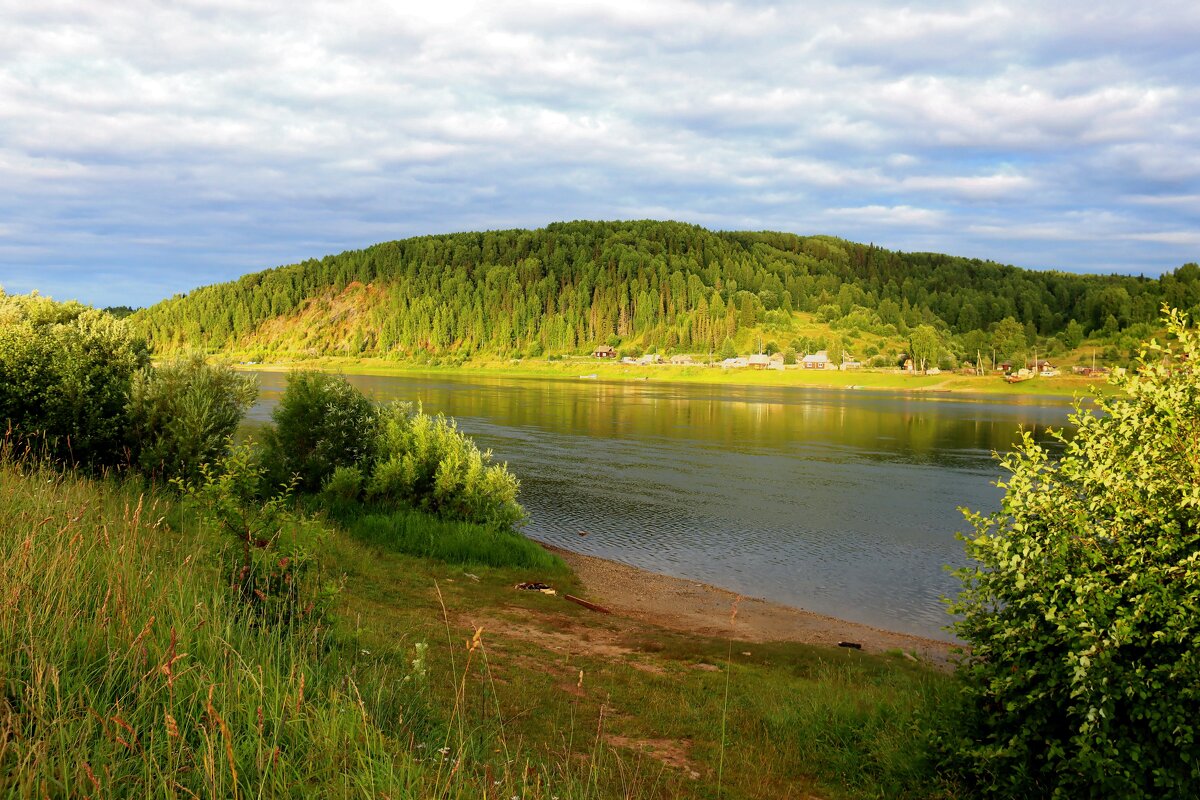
{"x":759,"y":358}
{"x":816,"y":358}
{"x":603,"y":348}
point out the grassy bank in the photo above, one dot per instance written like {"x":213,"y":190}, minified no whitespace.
{"x":1066,"y":386}
{"x":129,"y":669}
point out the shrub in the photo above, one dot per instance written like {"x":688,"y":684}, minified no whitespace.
{"x":182,"y":414}
{"x":828,"y":313}
{"x":344,"y":485}
{"x":275,"y":549}
{"x":428,"y":462}
{"x":65,"y":374}
{"x":321,"y":423}
{"x":1081,"y":609}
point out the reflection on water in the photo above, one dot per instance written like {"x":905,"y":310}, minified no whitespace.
{"x":840,"y":502}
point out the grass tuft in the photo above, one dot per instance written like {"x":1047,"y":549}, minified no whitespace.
{"x":463,"y":543}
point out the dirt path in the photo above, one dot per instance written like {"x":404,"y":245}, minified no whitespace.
{"x":693,"y":607}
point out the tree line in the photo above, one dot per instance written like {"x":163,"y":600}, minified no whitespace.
{"x":569,"y":286}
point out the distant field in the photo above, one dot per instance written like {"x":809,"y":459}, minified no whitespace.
{"x":575,"y":368}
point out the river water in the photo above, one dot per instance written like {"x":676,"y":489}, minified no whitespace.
{"x":840,"y":502}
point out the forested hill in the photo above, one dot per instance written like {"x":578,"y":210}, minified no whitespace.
{"x":569,"y":286}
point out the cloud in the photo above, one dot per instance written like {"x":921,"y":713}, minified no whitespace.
{"x":972,"y":187}
{"x":889,"y":215}
{"x":1185,"y":238}
{"x":189,"y":142}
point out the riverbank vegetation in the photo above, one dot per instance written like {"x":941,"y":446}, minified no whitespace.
{"x":131,"y":668}
{"x":1082,"y":606}
{"x":181,"y":629}
{"x":177,"y":621}
{"x":331,"y":612}
{"x":662,"y":287}
{"x":573,"y":369}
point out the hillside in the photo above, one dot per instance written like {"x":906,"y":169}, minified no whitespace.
{"x":650,"y":285}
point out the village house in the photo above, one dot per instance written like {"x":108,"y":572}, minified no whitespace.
{"x":604,"y":351}
{"x":759,"y":361}
{"x":817,"y":360}
{"x":681,"y":360}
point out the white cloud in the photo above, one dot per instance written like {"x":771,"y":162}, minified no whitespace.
{"x":1185,"y":238}
{"x":907,"y":216}
{"x":972,"y":187}
{"x":1185,"y":201}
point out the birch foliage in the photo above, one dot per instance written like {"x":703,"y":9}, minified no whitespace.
{"x":1082,"y":605}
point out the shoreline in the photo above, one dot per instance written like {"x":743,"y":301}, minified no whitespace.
{"x":689,"y":606}
{"x":1062,"y":388}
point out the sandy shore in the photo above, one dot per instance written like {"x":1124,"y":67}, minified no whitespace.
{"x":693,"y":607}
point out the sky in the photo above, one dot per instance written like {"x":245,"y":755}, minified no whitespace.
{"x":148,"y":148}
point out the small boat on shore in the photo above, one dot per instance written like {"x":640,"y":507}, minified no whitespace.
{"x":591,"y":377}
{"x":1020,"y":376}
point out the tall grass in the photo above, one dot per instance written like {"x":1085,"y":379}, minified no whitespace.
{"x":865,"y":730}
{"x":128,"y":668}
{"x":420,"y":534}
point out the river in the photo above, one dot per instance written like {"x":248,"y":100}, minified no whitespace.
{"x":840,"y":502}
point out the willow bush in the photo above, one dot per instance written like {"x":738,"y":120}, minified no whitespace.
{"x":428,"y":462}
{"x":321,"y":423}
{"x":1082,"y":607}
{"x":65,"y":374}
{"x":330,"y":439}
{"x":183,"y":413}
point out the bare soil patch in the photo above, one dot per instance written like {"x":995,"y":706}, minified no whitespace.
{"x":692,"y":607}
{"x":672,"y":752}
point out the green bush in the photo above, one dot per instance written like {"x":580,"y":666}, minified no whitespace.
{"x":321,"y":423}
{"x":65,"y":374}
{"x":183,"y":413}
{"x":427,"y":462}
{"x":344,"y":485}
{"x":275,"y":549}
{"x":1082,"y":609}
